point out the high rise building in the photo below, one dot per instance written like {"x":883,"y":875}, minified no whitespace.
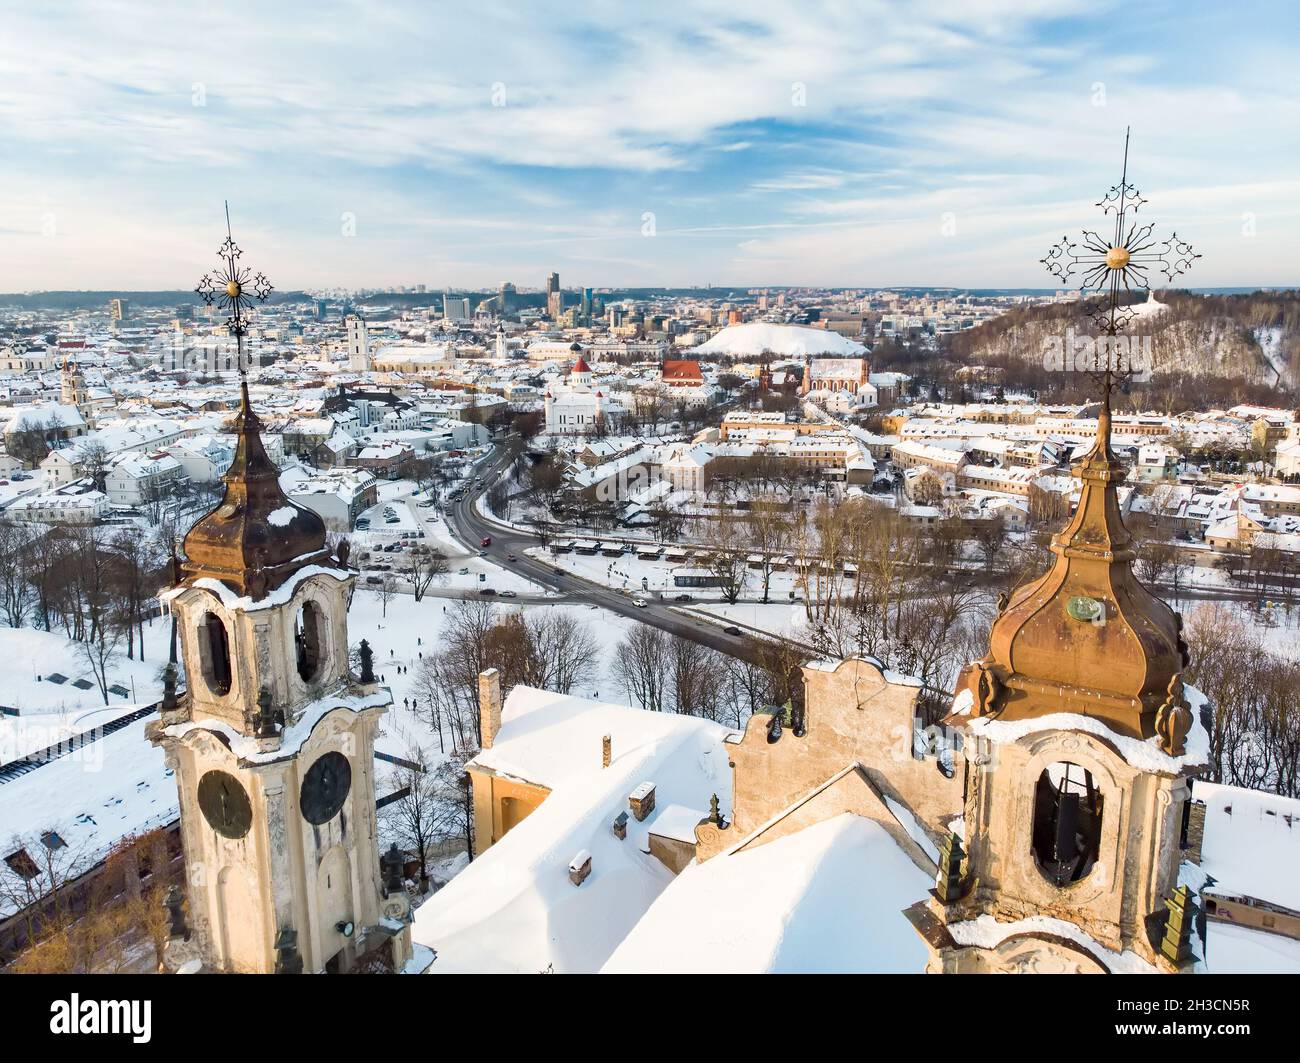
{"x":454,"y":309}
{"x":554,"y":297}
{"x":118,"y":309}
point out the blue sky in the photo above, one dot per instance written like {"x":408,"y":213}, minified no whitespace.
{"x":367,"y":144}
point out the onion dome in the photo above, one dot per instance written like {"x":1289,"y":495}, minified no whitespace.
{"x":256,"y":538}
{"x":1087,"y":637}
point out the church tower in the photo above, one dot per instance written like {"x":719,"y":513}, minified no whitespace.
{"x":272,"y":743}
{"x":358,"y":334}
{"x":73,"y":391}
{"x":1080,"y":742}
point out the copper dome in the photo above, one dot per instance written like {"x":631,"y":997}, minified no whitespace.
{"x":1086,"y":637}
{"x":256,"y":538}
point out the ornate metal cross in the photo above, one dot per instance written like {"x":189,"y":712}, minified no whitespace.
{"x":1120,"y":265}
{"x":231,"y":288}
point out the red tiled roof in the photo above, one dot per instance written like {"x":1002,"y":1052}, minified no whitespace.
{"x":682,"y":371}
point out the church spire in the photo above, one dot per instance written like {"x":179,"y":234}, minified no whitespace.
{"x":1087,"y":637}
{"x":256,"y":537}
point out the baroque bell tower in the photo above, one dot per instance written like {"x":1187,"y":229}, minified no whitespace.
{"x":1079,"y":735}
{"x":272,"y":742}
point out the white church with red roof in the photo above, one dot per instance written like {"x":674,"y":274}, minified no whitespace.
{"x":578,"y":407}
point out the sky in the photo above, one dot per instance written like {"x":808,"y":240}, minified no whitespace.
{"x":371,"y":144}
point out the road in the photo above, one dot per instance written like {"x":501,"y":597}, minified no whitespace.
{"x":470,"y":528}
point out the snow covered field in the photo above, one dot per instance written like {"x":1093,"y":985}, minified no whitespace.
{"x":412,"y":629}
{"x":49,"y":681}
{"x":630,"y":573}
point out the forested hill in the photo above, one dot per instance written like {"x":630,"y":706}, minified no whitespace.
{"x":1253,"y":338}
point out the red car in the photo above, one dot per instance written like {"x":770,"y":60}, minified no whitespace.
{"x":487,"y":541}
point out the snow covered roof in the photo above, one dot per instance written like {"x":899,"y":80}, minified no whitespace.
{"x":514,"y":908}
{"x":827,"y":899}
{"x":784,"y":341}
{"x":1252,"y":843}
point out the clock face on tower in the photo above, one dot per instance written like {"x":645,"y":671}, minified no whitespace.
{"x":325,"y":788}
{"x":225,"y":805}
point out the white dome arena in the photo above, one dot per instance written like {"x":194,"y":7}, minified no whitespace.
{"x":781,"y":341}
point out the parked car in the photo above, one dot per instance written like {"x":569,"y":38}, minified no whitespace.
{"x":487,"y":591}
{"x":684,"y":598}
{"x":508,"y":594}
{"x":734,"y":631}
{"x":374,"y":579}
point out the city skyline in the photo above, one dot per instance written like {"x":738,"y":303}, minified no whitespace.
{"x":786,"y":146}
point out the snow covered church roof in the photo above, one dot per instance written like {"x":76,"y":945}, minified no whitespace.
{"x":514,"y":907}
{"x":826,"y":899}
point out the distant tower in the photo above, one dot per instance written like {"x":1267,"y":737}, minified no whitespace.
{"x":501,"y":342}
{"x":554,"y":297}
{"x":272,"y":745}
{"x":358,"y":344}
{"x":73,"y":392}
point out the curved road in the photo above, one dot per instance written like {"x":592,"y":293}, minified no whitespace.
{"x":471,"y":528}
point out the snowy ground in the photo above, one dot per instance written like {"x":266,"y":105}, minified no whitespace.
{"x":50,"y":711}
{"x":412,"y":629}
{"x":628,"y":572}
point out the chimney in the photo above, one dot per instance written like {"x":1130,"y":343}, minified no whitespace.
{"x":489,"y":706}
{"x":642,"y":800}
{"x":606,"y":751}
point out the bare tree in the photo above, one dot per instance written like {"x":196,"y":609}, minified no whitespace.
{"x":768,"y":525}
{"x":385,"y":591}
{"x":424,"y":565}
{"x":94,"y":460}
{"x":416,"y":817}
{"x":639,"y":666}
{"x":16,"y":590}
{"x":727,"y":558}
{"x":100,"y":651}
{"x":695,"y":672}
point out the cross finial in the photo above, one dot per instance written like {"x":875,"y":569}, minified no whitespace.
{"x":235,"y":289}
{"x":1110,"y":268}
